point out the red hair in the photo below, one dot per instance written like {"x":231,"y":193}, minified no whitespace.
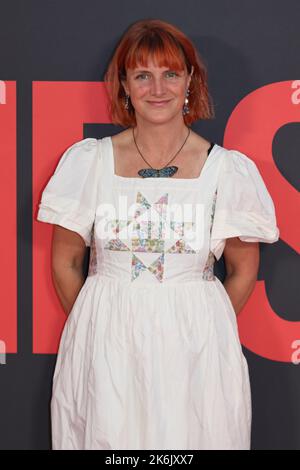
{"x":168,"y":47}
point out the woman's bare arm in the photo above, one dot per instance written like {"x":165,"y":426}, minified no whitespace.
{"x":68,"y":251}
{"x":242,"y":263}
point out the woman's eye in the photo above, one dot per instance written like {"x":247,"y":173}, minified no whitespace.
{"x":141,"y":75}
{"x":173,"y":74}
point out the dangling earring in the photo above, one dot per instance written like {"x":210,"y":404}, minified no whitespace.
{"x":126,"y":106}
{"x":186,"y":109}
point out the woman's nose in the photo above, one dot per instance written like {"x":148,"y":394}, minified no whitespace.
{"x":158,"y":86}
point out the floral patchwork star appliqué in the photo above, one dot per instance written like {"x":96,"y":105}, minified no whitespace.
{"x":150,"y":236}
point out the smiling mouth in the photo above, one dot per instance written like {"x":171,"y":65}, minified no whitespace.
{"x":159,"y":102}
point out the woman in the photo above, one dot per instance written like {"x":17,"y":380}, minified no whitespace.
{"x":150,"y":356}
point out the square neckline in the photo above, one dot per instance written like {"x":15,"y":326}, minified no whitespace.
{"x":152,"y":178}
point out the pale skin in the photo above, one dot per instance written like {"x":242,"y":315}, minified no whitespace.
{"x":163,"y":128}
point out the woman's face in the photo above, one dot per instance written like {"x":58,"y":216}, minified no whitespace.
{"x":156,"y":93}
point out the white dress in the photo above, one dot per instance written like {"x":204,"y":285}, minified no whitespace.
{"x":150,"y":356}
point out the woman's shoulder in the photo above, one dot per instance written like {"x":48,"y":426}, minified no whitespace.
{"x":78,"y":157}
{"x":88,"y":143}
{"x":232,"y":159}
{"x":243,"y":161}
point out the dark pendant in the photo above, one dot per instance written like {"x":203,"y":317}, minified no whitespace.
{"x":165,"y":172}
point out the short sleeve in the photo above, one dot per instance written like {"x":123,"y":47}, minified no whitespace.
{"x":243,"y":206}
{"x":70,"y":197}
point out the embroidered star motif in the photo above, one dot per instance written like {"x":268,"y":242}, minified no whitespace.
{"x":149,"y":236}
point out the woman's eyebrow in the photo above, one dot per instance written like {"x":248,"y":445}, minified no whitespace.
{"x":140,"y":70}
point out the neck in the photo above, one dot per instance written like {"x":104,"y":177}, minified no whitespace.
{"x":165,"y":138}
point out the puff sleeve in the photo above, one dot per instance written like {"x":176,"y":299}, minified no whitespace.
{"x":70,"y":197}
{"x":243,"y":207}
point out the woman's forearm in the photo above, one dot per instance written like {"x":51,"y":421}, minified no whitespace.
{"x":239,"y":289}
{"x":67,"y":283}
